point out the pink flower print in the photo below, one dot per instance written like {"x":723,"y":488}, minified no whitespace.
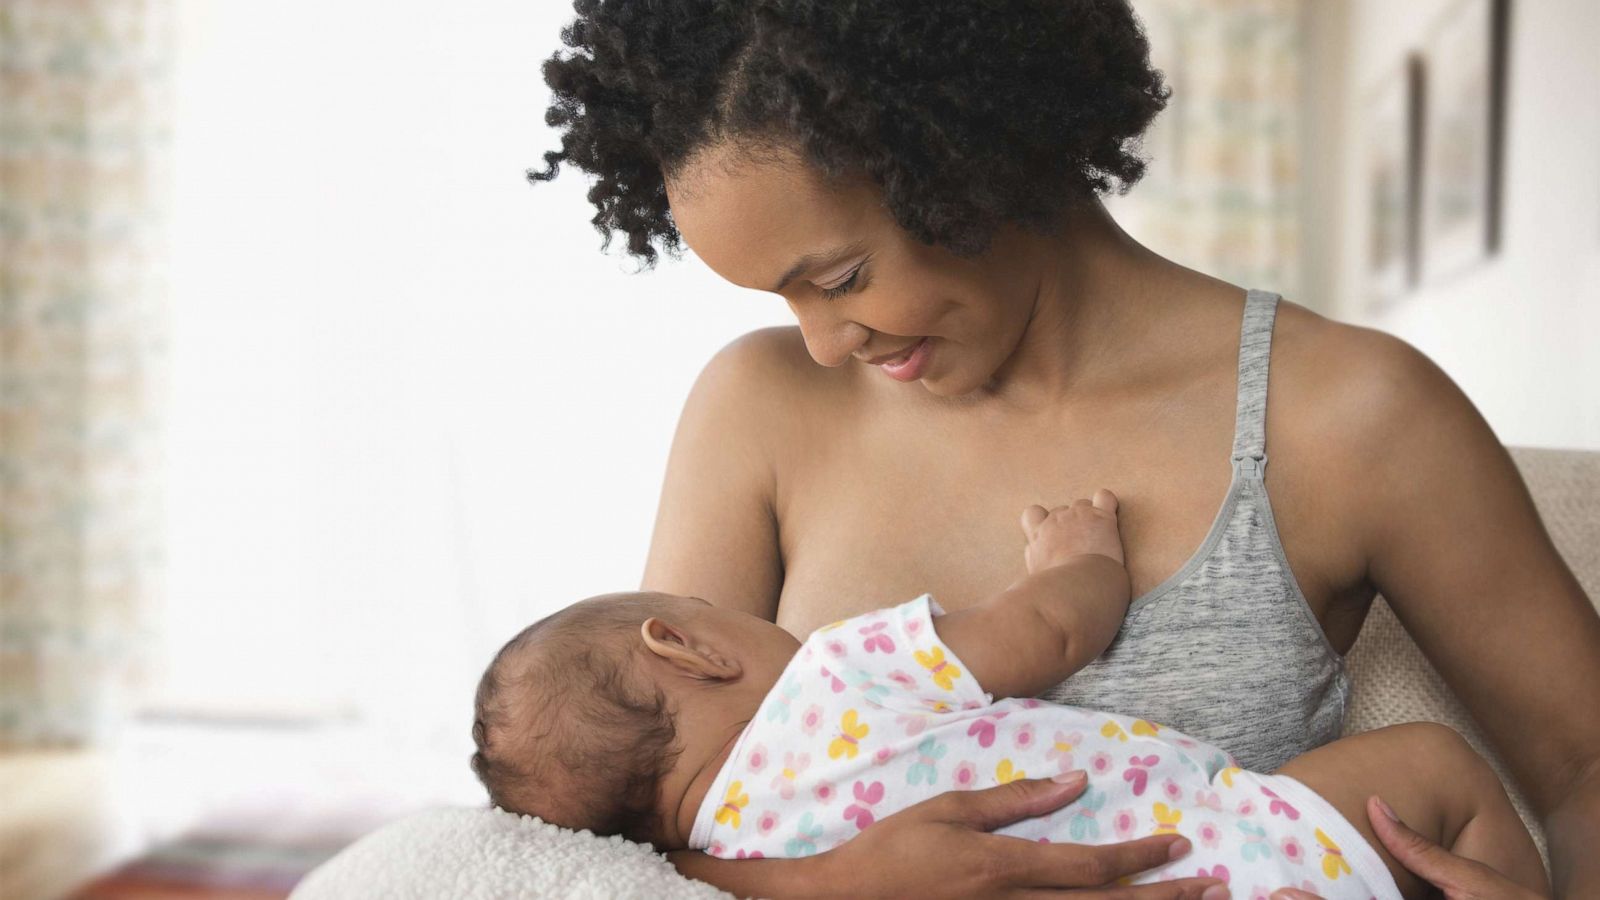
{"x":824,"y":792}
{"x":1280,"y":806}
{"x":1261,"y":893}
{"x":866,"y":796}
{"x":1023,"y":737}
{"x":1247,"y":808}
{"x":833,"y":681}
{"x":966,"y":776}
{"x":835,"y":647}
{"x":1208,"y":800}
{"x":913,"y":627}
{"x":767,"y":822}
{"x":900,"y":677}
{"x":1100,"y":763}
{"x":971,"y":704}
{"x":1030,"y":703}
{"x":1210,"y":835}
{"x":883,"y":756}
{"x":1138,"y":773}
{"x":1060,"y":751}
{"x":1219,"y":872}
{"x":875,"y":638}
{"x":1171,"y":789}
{"x":812,"y":720}
{"x":1292,"y":851}
{"x":912,"y":724}
{"x":793,"y":765}
{"x":716,"y":849}
{"x":757,"y":758}
{"x":1125,"y":824}
{"x":1185,"y":743}
{"x":753,"y":854}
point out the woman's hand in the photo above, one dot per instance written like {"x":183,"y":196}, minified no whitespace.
{"x":1456,"y":877}
{"x":939,"y":848}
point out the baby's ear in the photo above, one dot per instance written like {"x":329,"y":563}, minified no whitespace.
{"x":694,"y":658}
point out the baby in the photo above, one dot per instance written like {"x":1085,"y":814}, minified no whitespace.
{"x":682,"y":724}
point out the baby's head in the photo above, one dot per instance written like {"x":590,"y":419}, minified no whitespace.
{"x":585,"y":717}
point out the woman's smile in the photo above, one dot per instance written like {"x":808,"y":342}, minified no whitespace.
{"x":910,"y":365}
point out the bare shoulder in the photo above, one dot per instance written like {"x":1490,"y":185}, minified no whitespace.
{"x":1357,"y":389}
{"x":760,"y":365}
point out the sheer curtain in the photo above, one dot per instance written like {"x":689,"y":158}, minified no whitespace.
{"x":83,"y":130}
{"x":1223,"y":191}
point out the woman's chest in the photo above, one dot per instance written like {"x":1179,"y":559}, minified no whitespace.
{"x":903,"y":507}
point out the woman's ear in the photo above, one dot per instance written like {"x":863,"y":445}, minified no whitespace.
{"x":696,"y":659}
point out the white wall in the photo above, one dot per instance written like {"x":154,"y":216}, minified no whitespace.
{"x":1521,"y":333}
{"x":413,"y":406}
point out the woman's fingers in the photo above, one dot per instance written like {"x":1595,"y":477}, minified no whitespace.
{"x":1004,"y":804}
{"x":1104,"y":499}
{"x":1456,"y":876}
{"x":1034,"y":864}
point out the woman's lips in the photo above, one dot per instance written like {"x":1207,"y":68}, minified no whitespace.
{"x":911,"y":366}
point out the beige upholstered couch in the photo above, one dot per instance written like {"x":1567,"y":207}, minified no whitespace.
{"x":1393,"y":682}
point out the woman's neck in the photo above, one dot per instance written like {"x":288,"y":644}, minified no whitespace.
{"x":1100,"y":300}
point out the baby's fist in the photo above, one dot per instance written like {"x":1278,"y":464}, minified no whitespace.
{"x":1086,"y":526}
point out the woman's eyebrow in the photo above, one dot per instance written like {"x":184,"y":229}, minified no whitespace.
{"x":816,"y":260}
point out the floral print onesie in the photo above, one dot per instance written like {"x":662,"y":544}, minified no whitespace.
{"x":876,"y":713}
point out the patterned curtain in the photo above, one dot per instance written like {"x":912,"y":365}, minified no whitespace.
{"x":83,"y":120}
{"x":1222,"y":194}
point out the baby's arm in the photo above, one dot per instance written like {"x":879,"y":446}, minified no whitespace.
{"x":1060,"y":616}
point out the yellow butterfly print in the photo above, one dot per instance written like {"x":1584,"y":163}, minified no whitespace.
{"x":944,"y":673}
{"x":1005,"y":774}
{"x":1227,"y":775}
{"x":728,"y":812}
{"x":1167,"y":819}
{"x":1113,"y":730}
{"x":848,"y":741}
{"x":1145,"y":729}
{"x":1333,"y":862}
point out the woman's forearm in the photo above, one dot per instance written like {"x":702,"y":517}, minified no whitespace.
{"x":780,"y":879}
{"x":1572,"y":831}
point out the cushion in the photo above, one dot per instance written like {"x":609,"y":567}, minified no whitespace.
{"x":488,"y":854}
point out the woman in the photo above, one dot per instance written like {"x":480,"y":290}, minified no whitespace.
{"x":920,"y":182}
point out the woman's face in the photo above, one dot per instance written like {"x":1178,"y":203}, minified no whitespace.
{"x":865,"y":291}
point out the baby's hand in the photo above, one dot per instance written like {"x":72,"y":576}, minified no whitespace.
{"x":1086,"y":526}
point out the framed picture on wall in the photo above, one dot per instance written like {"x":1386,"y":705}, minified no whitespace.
{"x":1393,"y":170}
{"x":1463,"y":137}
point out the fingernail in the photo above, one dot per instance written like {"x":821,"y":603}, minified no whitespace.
{"x":1387,"y":811}
{"x":1179,"y":848}
{"x":1216,"y":892}
{"x":1076,"y":776}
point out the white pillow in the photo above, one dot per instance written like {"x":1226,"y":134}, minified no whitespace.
{"x":478,"y":854}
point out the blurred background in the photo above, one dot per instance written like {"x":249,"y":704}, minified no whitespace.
{"x":301,"y":414}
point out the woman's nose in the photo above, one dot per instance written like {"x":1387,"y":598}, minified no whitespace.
{"x":829,"y":339}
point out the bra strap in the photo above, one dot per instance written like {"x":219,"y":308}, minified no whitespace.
{"x":1255,"y":350}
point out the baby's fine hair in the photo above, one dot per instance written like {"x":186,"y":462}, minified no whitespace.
{"x":565,"y":729}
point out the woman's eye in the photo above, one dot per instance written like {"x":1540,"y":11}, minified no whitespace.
{"x":838,"y":291}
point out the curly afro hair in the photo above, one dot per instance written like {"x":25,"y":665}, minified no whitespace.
{"x":969,"y":114}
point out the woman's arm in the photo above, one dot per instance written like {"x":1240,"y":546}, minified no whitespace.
{"x":716,"y":536}
{"x":1455,"y":545}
